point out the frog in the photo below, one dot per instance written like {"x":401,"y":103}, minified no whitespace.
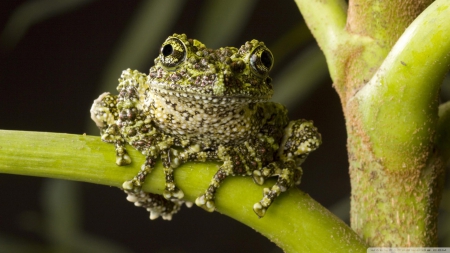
{"x":198,"y":104}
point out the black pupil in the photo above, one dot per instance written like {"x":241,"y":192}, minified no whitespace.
{"x":167,"y":50}
{"x":266,"y":59}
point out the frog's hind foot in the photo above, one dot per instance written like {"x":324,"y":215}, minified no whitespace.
{"x":155,"y":204}
{"x":288,"y":175}
{"x":300,"y":138}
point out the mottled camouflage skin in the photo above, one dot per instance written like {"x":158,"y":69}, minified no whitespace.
{"x":200,"y":104}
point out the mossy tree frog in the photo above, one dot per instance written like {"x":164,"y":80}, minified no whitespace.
{"x":200,"y":104}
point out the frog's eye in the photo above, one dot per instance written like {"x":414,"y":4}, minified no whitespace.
{"x":261,"y":60}
{"x":173,"y":52}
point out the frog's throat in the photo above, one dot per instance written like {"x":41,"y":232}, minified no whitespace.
{"x":207,"y":120}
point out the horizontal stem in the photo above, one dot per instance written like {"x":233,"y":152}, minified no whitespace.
{"x":295,"y":222}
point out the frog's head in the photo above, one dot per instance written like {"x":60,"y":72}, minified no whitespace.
{"x":185,"y":67}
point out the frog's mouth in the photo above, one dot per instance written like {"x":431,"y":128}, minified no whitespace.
{"x":207,"y":98}
{"x":211,"y":95}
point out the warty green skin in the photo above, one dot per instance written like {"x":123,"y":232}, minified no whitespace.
{"x":200,"y":104}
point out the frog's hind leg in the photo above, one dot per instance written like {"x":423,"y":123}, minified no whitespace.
{"x":288,"y":175}
{"x":299,"y":139}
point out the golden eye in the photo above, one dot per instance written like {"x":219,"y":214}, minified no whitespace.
{"x":261,"y":60}
{"x":173,"y":52}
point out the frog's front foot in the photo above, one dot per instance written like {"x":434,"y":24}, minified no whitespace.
{"x":155,"y":204}
{"x":259,"y":209}
{"x":258,"y":177}
{"x":206,"y":202}
{"x":130,"y":185}
{"x":172,"y":192}
{"x":135,"y":184}
{"x":123,"y":159}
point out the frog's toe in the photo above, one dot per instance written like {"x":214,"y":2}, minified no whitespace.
{"x":128,"y":185}
{"x":258,"y":177}
{"x":156,"y":214}
{"x":173,"y":194}
{"x":205,"y":203}
{"x":131,"y":186}
{"x":123,"y":160}
{"x":167,"y":216}
{"x":259,"y":209}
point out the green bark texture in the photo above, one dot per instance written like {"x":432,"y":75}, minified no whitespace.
{"x":387,"y":61}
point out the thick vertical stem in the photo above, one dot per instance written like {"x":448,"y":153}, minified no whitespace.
{"x":374,"y":26}
{"x":394,"y":209}
{"x":396,"y":167}
{"x":383,"y":21}
{"x":390,"y":101}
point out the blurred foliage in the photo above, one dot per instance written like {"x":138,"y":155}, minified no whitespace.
{"x":31,"y":13}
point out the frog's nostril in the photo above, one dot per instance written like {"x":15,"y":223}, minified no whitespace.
{"x":167,"y":50}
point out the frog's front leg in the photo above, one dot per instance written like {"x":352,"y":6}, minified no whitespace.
{"x":157,"y":205}
{"x":237,"y":160}
{"x":104,"y":113}
{"x":206,"y":201}
{"x":135,"y":184}
{"x":299,"y":139}
{"x":112,"y":135}
{"x":171,"y":160}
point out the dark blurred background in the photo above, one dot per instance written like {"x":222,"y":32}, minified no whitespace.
{"x":56,"y":57}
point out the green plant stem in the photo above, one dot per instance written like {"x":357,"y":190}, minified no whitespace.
{"x":443,"y":137}
{"x":396,"y":162}
{"x":326,"y":21}
{"x":295,"y":222}
{"x":400,"y":103}
{"x":397,"y":169}
{"x":396,"y":140}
